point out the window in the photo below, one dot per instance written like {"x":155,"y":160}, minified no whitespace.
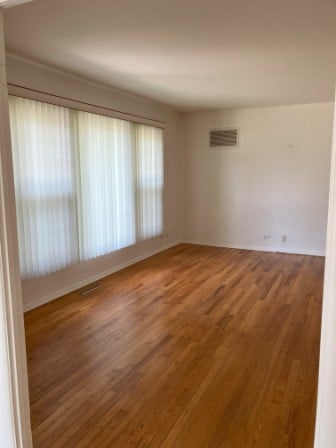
{"x":107,"y":199}
{"x":149,"y":180}
{"x":85,"y":184}
{"x":44,"y":186}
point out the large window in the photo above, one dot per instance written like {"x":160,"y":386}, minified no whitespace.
{"x":85,"y":184}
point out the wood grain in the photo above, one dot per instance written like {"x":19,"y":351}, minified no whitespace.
{"x":195,"y":347}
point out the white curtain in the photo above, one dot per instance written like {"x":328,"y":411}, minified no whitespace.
{"x":107,"y":204}
{"x":149,"y":148}
{"x":44,"y":186}
{"x":86,"y":184}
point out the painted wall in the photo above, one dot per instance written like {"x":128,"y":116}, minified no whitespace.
{"x":36,"y":76}
{"x":276,"y":183}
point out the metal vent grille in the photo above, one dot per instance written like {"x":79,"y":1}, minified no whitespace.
{"x":88,"y":289}
{"x":227,"y":138}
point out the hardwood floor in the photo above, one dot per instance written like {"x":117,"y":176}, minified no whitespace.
{"x":195,"y":347}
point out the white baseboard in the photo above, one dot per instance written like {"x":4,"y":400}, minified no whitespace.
{"x":318,"y":253}
{"x":61,"y":292}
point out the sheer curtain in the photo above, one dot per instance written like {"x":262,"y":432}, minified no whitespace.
{"x":149,"y":149}
{"x":107,"y":200}
{"x":85,"y":184}
{"x":44,"y":186}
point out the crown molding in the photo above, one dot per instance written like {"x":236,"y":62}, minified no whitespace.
{"x":9,"y":3}
{"x":11,"y":55}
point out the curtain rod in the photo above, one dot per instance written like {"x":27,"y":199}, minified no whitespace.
{"x":84,"y":103}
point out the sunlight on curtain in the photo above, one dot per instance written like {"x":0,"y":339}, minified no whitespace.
{"x":150,"y":177}
{"x":44,"y":186}
{"x":85,"y":184}
{"x":107,"y":199}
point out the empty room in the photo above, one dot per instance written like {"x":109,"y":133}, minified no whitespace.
{"x":167,"y":237}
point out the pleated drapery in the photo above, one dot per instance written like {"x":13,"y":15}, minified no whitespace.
{"x":85,"y":184}
{"x":44,"y":186}
{"x":149,"y":180}
{"x":107,"y":184}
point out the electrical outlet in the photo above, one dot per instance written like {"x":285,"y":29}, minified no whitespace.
{"x":267,"y":237}
{"x":284,"y":238}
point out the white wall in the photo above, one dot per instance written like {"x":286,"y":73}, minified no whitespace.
{"x":276,"y":183}
{"x":35,"y":76}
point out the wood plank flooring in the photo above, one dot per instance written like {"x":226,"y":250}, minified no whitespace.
{"x":195,"y":347}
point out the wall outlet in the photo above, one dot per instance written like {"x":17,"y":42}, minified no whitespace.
{"x":284,"y":238}
{"x":267,"y":237}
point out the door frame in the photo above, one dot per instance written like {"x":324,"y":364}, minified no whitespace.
{"x":15,"y":409}
{"x":325,"y":428}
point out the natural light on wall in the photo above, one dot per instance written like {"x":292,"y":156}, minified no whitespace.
{"x":86,"y":184}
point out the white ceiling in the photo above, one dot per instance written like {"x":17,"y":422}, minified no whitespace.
{"x":192,"y":54}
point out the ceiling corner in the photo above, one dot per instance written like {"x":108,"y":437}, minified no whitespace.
{"x":9,"y":3}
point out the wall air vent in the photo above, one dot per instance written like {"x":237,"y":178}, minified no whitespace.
{"x":224,"y":138}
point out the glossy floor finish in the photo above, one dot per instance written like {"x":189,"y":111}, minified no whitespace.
{"x":195,"y":347}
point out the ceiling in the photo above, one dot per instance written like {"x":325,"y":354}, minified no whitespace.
{"x":191,"y":54}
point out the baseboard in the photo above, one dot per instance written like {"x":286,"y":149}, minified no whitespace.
{"x":317,"y":253}
{"x":63,"y":291}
